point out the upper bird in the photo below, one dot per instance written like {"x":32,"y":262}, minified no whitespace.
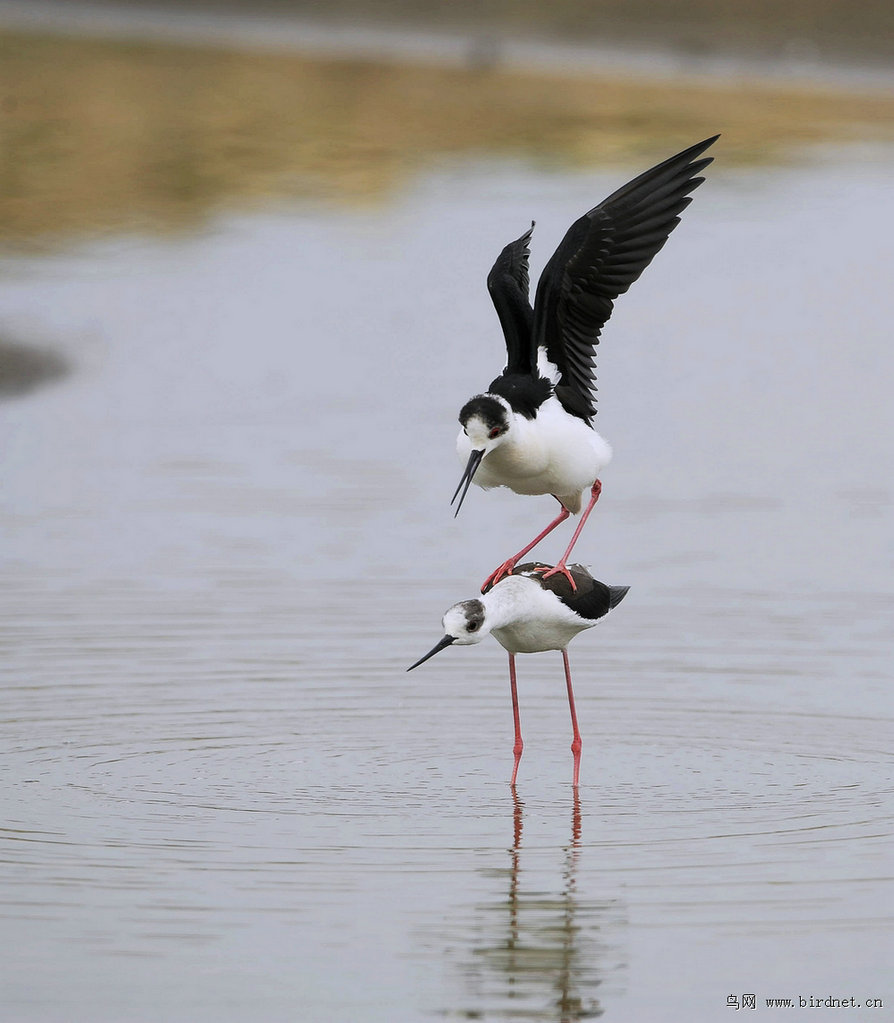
{"x":531,"y":432}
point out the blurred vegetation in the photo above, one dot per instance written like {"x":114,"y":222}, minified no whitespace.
{"x":100,"y":136}
{"x":824,"y":29}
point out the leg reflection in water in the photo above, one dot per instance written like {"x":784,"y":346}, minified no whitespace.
{"x":539,"y":950}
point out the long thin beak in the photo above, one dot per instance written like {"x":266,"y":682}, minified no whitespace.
{"x":446,"y":641}
{"x":469,"y":471}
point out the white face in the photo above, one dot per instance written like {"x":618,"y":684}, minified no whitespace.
{"x":484,"y":437}
{"x":466,"y":622}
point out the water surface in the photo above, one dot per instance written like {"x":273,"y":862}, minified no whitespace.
{"x":227,"y":534}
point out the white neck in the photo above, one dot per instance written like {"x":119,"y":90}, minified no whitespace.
{"x":508,"y":602}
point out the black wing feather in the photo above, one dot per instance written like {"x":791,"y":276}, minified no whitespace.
{"x":509,"y":286}
{"x":601,"y":255}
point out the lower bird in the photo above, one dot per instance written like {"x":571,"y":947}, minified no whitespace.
{"x":529,"y":611}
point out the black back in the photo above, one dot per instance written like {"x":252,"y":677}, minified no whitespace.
{"x":591,"y":600}
{"x":525,"y":393}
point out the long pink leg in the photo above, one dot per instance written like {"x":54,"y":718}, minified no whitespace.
{"x":575,"y":742}
{"x":560,"y":566}
{"x":519,"y":745}
{"x":508,"y":565}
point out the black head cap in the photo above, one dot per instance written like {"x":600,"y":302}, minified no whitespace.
{"x":490,"y":411}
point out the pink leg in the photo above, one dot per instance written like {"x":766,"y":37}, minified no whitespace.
{"x":508,"y":565}
{"x":560,"y":567}
{"x":519,"y":745}
{"x":575,"y":742}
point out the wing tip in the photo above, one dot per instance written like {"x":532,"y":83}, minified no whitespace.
{"x":695,"y":166}
{"x":700,"y":147}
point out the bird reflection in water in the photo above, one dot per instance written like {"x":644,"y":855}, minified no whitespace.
{"x":539,"y":956}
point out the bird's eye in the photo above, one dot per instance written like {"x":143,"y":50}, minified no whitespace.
{"x":495,"y":432}
{"x":472,"y":626}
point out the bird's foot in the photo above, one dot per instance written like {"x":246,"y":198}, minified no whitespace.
{"x":561,"y":567}
{"x":495,"y":576}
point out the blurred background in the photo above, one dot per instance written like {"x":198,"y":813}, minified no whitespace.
{"x":137,"y":116}
{"x":243,"y":252}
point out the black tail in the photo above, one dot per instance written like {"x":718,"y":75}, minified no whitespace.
{"x":616,"y":594}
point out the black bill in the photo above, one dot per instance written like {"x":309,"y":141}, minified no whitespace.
{"x":446,"y":641}
{"x":469,"y":471}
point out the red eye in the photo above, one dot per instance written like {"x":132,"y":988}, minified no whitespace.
{"x":495,"y":432}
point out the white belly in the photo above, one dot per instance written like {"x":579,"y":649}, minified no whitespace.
{"x":552,"y":454}
{"x":530,"y":637}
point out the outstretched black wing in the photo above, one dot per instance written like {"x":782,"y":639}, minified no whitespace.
{"x":508,"y":285}
{"x":602,"y":254}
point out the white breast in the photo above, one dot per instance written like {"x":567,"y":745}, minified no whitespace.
{"x":552,"y":454}
{"x":527,"y":618}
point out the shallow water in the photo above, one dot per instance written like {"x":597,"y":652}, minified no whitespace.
{"x":228,"y":533}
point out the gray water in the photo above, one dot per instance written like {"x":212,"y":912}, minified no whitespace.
{"x":227,"y":533}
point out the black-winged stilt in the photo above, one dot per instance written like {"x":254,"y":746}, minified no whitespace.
{"x":529,"y":611}
{"x":532,"y":430}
